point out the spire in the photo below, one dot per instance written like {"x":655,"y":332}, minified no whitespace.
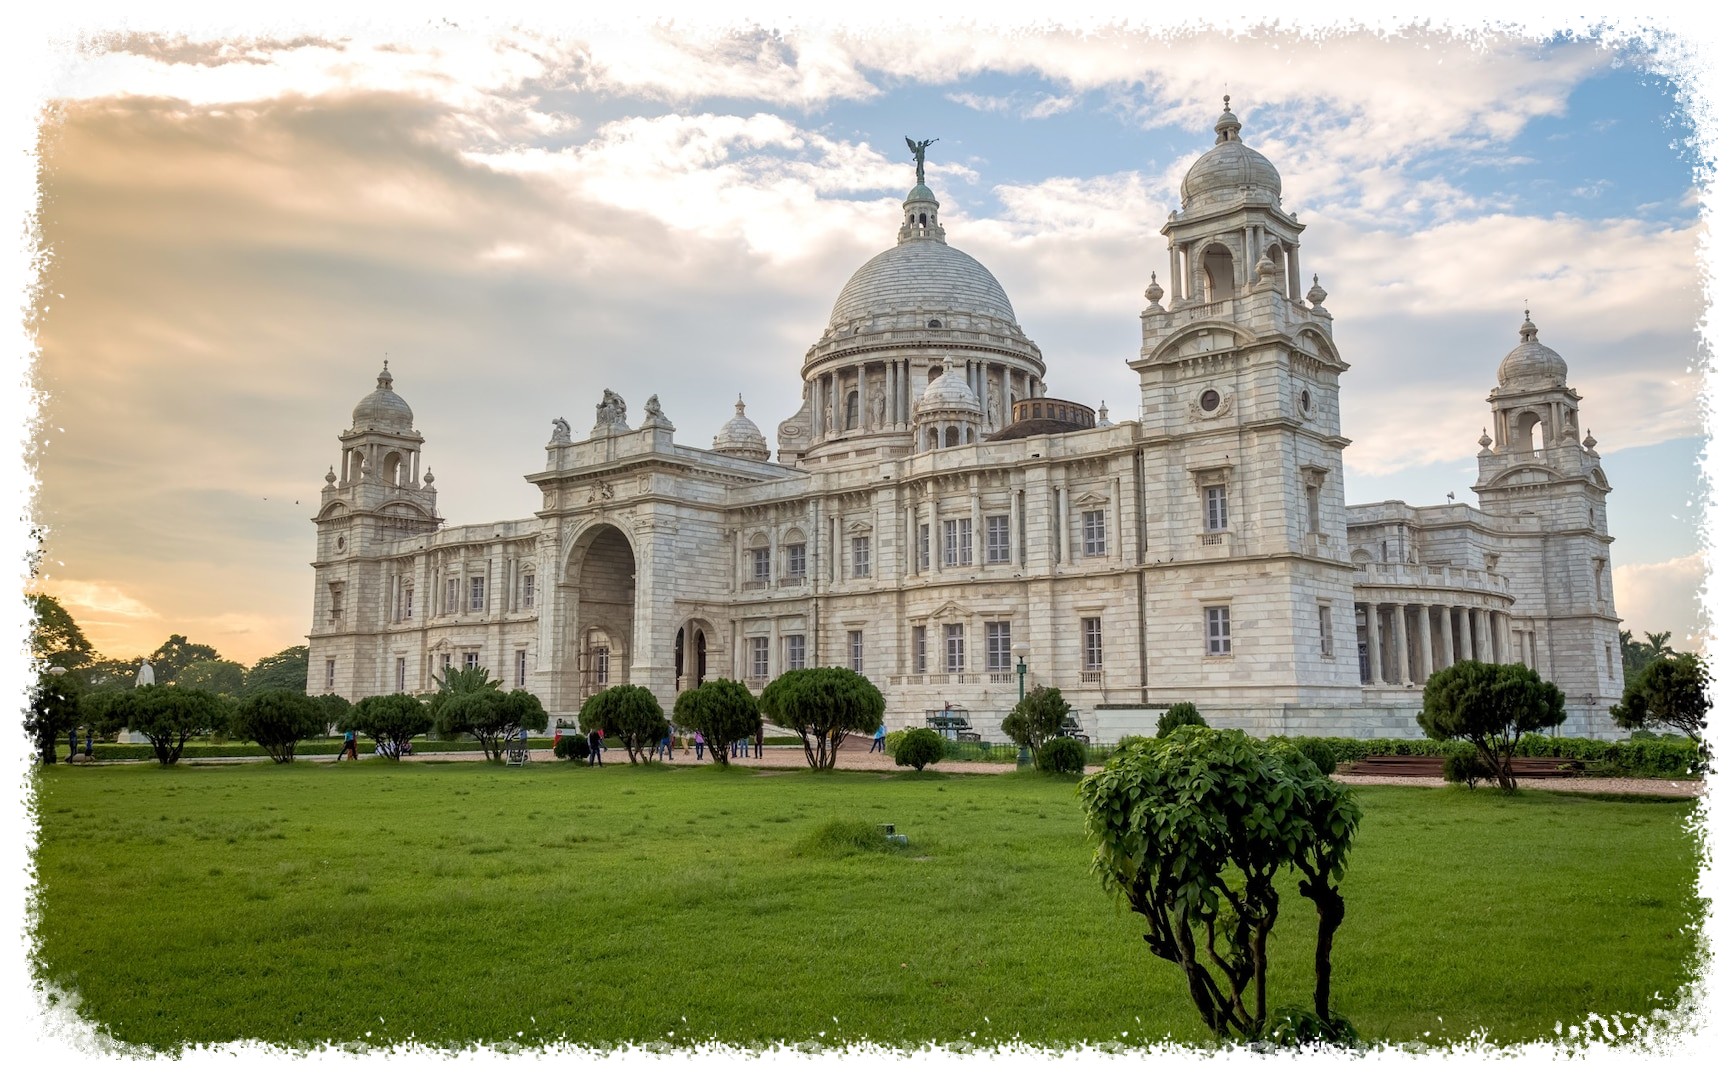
{"x":1228,"y":127}
{"x":921,"y":215}
{"x":1527,"y":332}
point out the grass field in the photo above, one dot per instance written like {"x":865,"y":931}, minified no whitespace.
{"x":459,"y":902}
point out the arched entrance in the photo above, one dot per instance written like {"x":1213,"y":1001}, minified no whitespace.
{"x":693,"y":644}
{"x":598,"y":592}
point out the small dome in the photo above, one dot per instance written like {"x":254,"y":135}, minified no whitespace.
{"x":1231,"y":170}
{"x":382,"y":410}
{"x":741,"y":437}
{"x":949,"y":393}
{"x":921,"y":193}
{"x":1532,"y":365}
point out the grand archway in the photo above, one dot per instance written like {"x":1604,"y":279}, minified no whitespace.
{"x":598,"y":592}
{"x":696,"y":647}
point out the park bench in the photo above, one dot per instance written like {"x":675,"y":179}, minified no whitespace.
{"x":953,"y":723}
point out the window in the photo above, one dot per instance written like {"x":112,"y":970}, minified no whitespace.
{"x":1216,"y":631}
{"x":795,"y":652}
{"x":472,"y":661}
{"x":954,"y":647}
{"x":956,"y":542}
{"x":330,"y":674}
{"x":1216,"y":507}
{"x":451,"y":595}
{"x":858,"y":557}
{"x":760,"y":649}
{"x":1325,"y":629}
{"x":520,"y":667}
{"x":761,"y":563}
{"x":409,"y":603}
{"x":1095,"y":533}
{"x":1596,"y":573}
{"x":477,"y":592}
{"x":529,"y":590}
{"x":336,"y":600}
{"x":1090,"y":638}
{"x":919,"y":649}
{"x":403,"y":673}
{"x":855,"y":651}
{"x":852,"y":410}
{"x":795,"y":561}
{"x":1313,"y":508}
{"x":924,"y":549}
{"x":999,"y":538}
{"x":999,"y":638}
{"x":445,"y":662}
{"x":599,"y":664}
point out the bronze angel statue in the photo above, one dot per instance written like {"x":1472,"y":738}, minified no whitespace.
{"x":920,"y":149}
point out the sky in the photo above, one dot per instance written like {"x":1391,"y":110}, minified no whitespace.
{"x":239,"y":224}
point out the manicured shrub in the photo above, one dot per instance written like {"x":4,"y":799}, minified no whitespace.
{"x":277,"y":720}
{"x":629,"y":713}
{"x":895,"y":738}
{"x":1037,"y":719}
{"x":1061,"y":756}
{"x":1319,"y":751}
{"x":822,"y":705}
{"x":919,"y":747}
{"x":1489,"y":706}
{"x":1669,"y":692}
{"x":391,"y":720}
{"x":1179,"y":715}
{"x":1463,"y":765}
{"x":723,"y":711}
{"x":573,"y":748}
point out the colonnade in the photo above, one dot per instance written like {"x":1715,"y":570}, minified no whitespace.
{"x":897,"y":385}
{"x":1406,"y":643}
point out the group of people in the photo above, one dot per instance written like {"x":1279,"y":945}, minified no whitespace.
{"x":382,"y":747}
{"x":753,"y":745}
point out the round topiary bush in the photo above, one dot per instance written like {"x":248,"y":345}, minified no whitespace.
{"x":574,"y":748}
{"x":917,"y":747}
{"x":1179,"y":715}
{"x":1061,"y":755}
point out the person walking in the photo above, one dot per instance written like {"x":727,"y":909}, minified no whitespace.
{"x":348,"y":750}
{"x":665,"y":748}
{"x":759,"y":740}
{"x":699,"y":745}
{"x":879,"y":740}
{"x":595,"y":748}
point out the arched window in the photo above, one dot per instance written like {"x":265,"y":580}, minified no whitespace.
{"x":852,"y":410}
{"x":1219,"y":267}
{"x":923,"y":219}
{"x":1526,"y":427}
{"x":394,"y":469}
{"x":952,"y":436}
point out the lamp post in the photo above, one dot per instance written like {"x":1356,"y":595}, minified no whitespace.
{"x":1021,"y":650}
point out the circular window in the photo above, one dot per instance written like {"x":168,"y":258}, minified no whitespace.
{"x":933,"y":324}
{"x":1209,"y":400}
{"x":1306,"y":401}
{"x":340,"y":541}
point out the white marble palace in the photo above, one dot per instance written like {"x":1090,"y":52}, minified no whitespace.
{"x":933,"y":519}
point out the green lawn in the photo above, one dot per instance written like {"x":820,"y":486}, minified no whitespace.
{"x":460,"y":902}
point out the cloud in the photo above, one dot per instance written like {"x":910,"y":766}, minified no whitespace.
{"x":1653,"y":597}
{"x":96,"y":600}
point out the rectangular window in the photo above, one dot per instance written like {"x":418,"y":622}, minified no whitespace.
{"x":860,"y":565}
{"x":1216,"y":631}
{"x":478,"y":591}
{"x":520,"y":667}
{"x":1090,"y":634}
{"x":761,"y":651}
{"x":954,"y":647}
{"x":1216,"y":508}
{"x":956,"y":542}
{"x":529,"y":590}
{"x":1325,"y":628}
{"x":336,"y":600}
{"x":445,"y":662}
{"x":472,"y":661}
{"x":795,"y":652}
{"x":855,"y":651}
{"x":1312,"y":508}
{"x":403,"y":673}
{"x":795,"y":561}
{"x":451,"y":595}
{"x":761,"y":563}
{"x":919,"y":649}
{"x":330,"y":674}
{"x":999,"y":538}
{"x":599,"y":664}
{"x":409,"y":603}
{"x":999,"y":639}
{"x":924,"y":547}
{"x":1095,"y":532}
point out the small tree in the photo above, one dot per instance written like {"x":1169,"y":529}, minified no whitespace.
{"x":524,"y":711}
{"x":629,"y":713}
{"x":918,"y":747}
{"x":54,"y":711}
{"x":1194,"y":829}
{"x":167,"y":716}
{"x":822,"y":705}
{"x":286,"y":670}
{"x":174,"y":656}
{"x":1061,"y":756}
{"x":1669,"y":692}
{"x":277,"y":720}
{"x":55,"y":639}
{"x":391,"y":720}
{"x":1490,"y":706}
{"x":723,"y":711}
{"x":1179,"y":715}
{"x":482,"y":714}
{"x":333,"y":710}
{"x":1037,"y":719}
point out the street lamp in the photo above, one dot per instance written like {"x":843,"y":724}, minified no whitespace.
{"x":1021,"y":649}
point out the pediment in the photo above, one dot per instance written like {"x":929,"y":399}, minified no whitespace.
{"x":1090,"y":500}
{"x":859,"y":528}
{"x":951,"y":609}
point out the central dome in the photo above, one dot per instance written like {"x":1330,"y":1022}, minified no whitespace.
{"x":921,"y":276}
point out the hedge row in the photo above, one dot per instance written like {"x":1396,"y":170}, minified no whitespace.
{"x":1663,"y":758}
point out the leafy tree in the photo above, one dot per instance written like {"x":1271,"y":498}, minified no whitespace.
{"x":483,"y":714}
{"x":1638,"y":655}
{"x":1061,"y":756}
{"x":55,"y":639}
{"x":172,"y":657}
{"x":628,"y":713}
{"x":1490,"y":706}
{"x":333,"y":710}
{"x":54,"y":711}
{"x":1037,"y":719}
{"x":286,"y":670}
{"x":277,"y":720}
{"x":721,"y":710}
{"x":524,"y":711}
{"x":1194,"y":830}
{"x":918,"y":747}
{"x":218,"y":676}
{"x":102,"y":673}
{"x":166,"y":715}
{"x":1670,"y":692}
{"x":391,"y":719}
{"x":1179,"y":715}
{"x":822,"y":705}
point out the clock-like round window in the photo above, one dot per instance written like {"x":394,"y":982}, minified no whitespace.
{"x":1209,"y":400}
{"x":1306,"y":401}
{"x":340,"y":541}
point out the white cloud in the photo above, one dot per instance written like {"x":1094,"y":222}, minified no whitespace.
{"x":1653,"y":597}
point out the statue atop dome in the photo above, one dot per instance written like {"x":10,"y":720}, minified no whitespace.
{"x":920,"y":149}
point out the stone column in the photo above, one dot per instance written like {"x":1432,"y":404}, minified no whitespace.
{"x":978,"y":542}
{"x":1448,"y":653}
{"x":911,"y":558}
{"x":1249,"y":256}
{"x":934,"y":552}
{"x":1063,"y":514}
{"x":1501,"y":636}
{"x":1464,"y":630}
{"x":1425,"y":623}
{"x":861,"y":397}
{"x":837,"y":417}
{"x":1175,"y":292}
{"x":1005,"y":396}
{"x":1376,"y":675}
{"x":1294,"y":261}
{"x":1401,"y":641}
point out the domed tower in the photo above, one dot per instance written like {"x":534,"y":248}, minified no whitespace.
{"x":1537,"y":473}
{"x":949,"y":413}
{"x":741,"y":437}
{"x":894,"y":323}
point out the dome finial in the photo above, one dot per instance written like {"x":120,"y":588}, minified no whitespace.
{"x":1228,"y":127}
{"x":740,"y":405}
